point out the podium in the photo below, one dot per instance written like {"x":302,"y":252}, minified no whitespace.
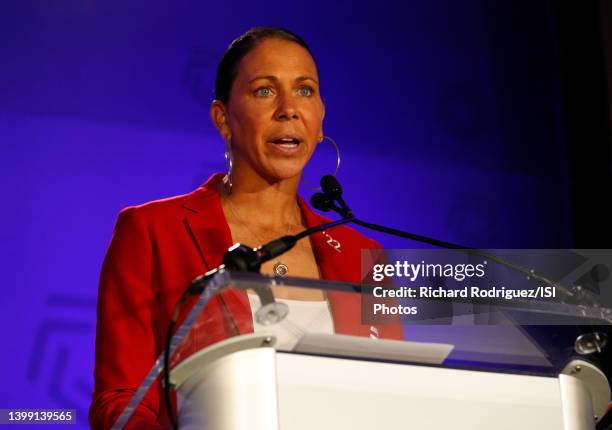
{"x":256,"y":353}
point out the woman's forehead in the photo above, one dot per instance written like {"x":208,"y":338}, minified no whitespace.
{"x":277,"y":57}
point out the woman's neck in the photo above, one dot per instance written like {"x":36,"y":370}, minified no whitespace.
{"x":262,"y":202}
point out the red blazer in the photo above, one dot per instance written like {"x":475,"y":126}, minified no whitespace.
{"x":156,"y":250}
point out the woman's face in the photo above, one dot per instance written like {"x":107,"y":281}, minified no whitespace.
{"x":274,"y":115}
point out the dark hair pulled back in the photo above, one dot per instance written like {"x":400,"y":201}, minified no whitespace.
{"x":226,"y":72}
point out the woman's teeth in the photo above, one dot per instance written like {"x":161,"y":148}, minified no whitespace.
{"x":287,"y":143}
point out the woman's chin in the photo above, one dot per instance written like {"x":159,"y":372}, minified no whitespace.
{"x":284,"y":171}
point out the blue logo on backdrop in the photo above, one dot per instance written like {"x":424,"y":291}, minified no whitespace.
{"x":52,"y":360}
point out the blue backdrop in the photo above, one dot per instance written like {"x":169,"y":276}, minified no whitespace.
{"x":447,"y":114}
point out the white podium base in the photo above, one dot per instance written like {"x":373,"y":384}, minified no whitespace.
{"x":262,"y":389}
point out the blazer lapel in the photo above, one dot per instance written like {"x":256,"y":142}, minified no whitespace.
{"x":212,"y":237}
{"x":206,"y":223}
{"x":330,"y":248}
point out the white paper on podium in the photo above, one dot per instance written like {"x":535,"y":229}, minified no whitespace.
{"x":383,"y":349}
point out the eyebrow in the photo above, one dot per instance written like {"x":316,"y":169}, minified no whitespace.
{"x":274,"y":78}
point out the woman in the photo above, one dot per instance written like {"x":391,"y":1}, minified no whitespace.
{"x":269,"y":111}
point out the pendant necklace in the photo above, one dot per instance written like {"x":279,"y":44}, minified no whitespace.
{"x":280,"y":269}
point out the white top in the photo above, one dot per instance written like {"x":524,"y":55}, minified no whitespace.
{"x":304,"y":317}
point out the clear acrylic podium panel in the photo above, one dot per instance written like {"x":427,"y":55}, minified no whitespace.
{"x":536,"y":337}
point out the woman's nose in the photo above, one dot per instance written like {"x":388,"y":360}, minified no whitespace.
{"x":286,"y":109}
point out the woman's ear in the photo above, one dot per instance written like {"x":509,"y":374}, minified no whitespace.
{"x":218,"y":114}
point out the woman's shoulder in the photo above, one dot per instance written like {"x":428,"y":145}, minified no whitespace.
{"x":160,"y":210}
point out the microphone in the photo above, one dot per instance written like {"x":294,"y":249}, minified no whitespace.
{"x":243,"y":258}
{"x":332,"y":189}
{"x":321,"y":202}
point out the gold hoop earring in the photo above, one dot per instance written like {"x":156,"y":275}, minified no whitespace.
{"x":229,"y":165}
{"x":333,"y":142}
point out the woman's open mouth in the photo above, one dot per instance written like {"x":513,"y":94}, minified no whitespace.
{"x":286,"y":144}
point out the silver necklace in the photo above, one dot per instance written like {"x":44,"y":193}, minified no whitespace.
{"x":279,"y":268}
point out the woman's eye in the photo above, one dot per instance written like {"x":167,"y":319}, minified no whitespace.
{"x":305,"y":91}
{"x":264,"y":92}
